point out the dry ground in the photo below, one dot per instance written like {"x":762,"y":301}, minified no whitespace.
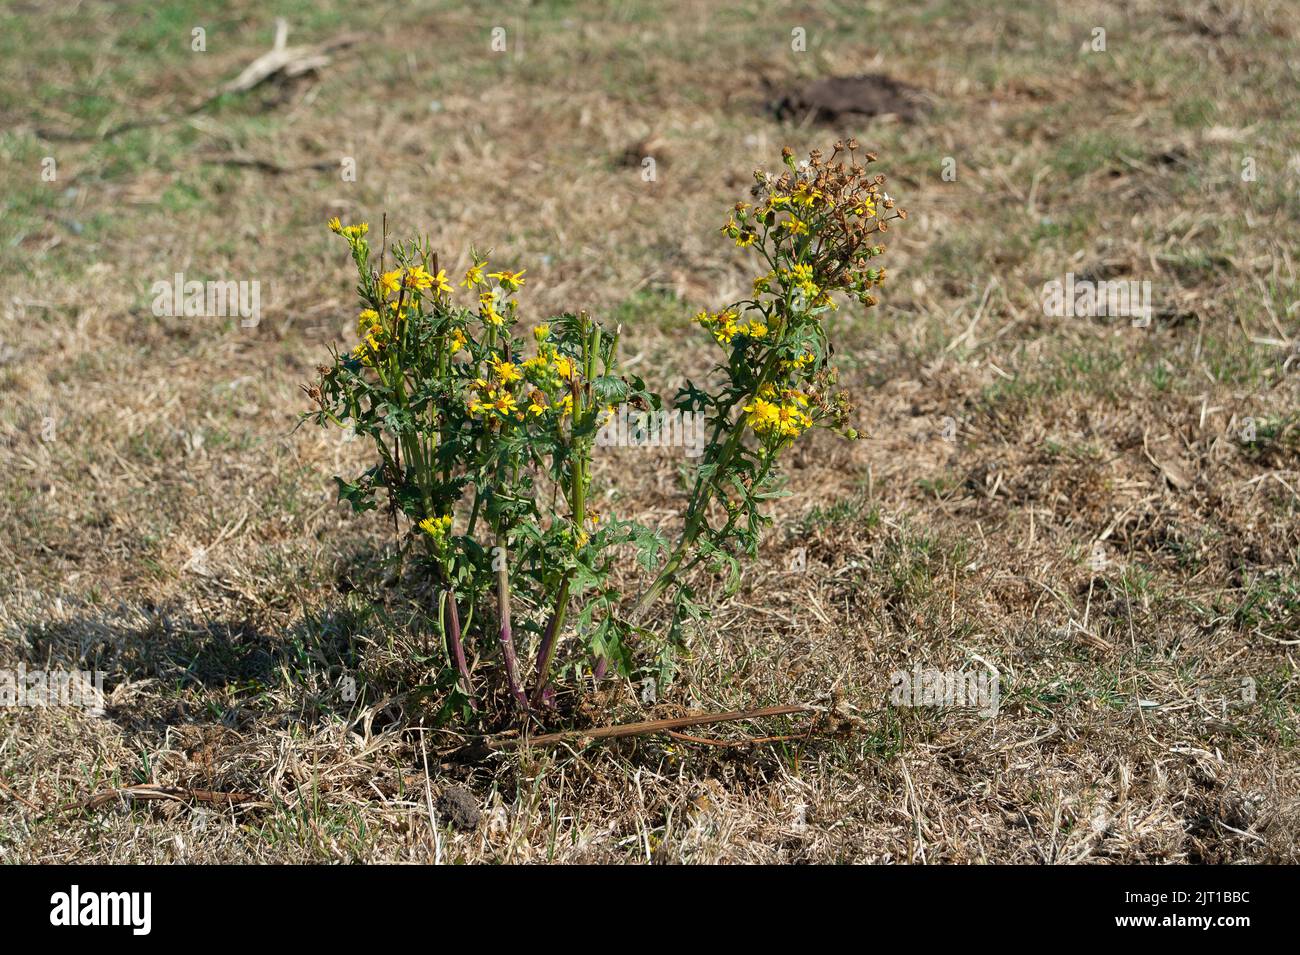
{"x":1076,"y":502}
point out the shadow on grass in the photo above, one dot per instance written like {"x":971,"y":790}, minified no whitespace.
{"x":204,"y":671}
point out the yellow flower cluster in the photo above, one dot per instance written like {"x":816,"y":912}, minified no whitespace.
{"x":494,"y":401}
{"x":504,"y":371}
{"x":724,"y":327}
{"x":510,"y":281}
{"x":802,"y":277}
{"x":367,"y":321}
{"x":371,"y":333}
{"x":779,"y":414}
{"x":545,"y":377}
{"x":799,"y":363}
{"x":416,"y":277}
{"x":367,"y":350}
{"x":436,"y":527}
{"x":487,"y":309}
{"x":490,"y":299}
{"x":351,"y":232}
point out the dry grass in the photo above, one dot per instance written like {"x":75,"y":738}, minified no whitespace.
{"x":1095,"y":527}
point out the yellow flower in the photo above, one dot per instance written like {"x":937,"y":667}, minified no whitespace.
{"x":802,"y":276}
{"x":721,"y":324}
{"x":756,"y":330}
{"x":474,"y":276}
{"x":356,"y":231}
{"x":795,"y":226}
{"x":366,"y":350}
{"x":724,"y":327}
{"x":418,"y":277}
{"x":499,"y":402}
{"x":488,"y":309}
{"x":763,"y":283}
{"x":510,"y":280}
{"x":391,"y":281}
{"x":535,"y":407}
{"x":457,"y":340}
{"x":564,"y":365}
{"x":746,"y":238}
{"x":790,"y":421}
{"x":335,"y":225}
{"x":542,"y":332}
{"x":805,"y":195}
{"x":566,"y":406}
{"x":505,"y":371}
{"x":366,"y":321}
{"x":763,"y":415}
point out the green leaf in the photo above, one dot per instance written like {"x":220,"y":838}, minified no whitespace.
{"x":360,"y":497}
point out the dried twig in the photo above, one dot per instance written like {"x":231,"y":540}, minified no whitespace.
{"x":267,"y":166}
{"x":18,"y":796}
{"x":149,"y":791}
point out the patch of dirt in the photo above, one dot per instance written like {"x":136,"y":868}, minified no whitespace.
{"x":837,"y":99}
{"x":457,"y":805}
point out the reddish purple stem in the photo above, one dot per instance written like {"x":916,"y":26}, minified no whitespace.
{"x":506,"y":636}
{"x":456,"y":647}
{"x":512,"y":662}
{"x":543,"y":655}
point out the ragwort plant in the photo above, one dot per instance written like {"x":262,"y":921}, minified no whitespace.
{"x":484,"y":437}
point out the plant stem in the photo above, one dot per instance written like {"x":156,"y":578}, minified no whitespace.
{"x":577,"y":503}
{"x":701,"y":495}
{"x":506,"y":635}
{"x":456,"y":646}
{"x":546,"y":652}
